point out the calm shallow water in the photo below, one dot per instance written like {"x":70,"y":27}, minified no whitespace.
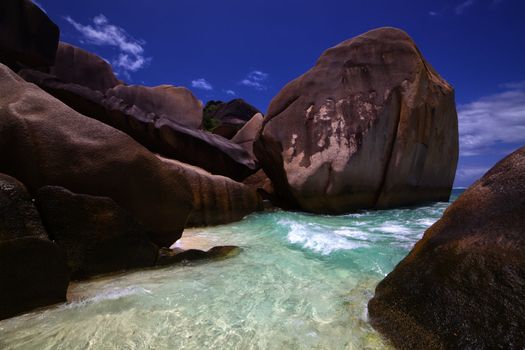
{"x":301,"y":282}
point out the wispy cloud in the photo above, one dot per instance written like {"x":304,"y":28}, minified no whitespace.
{"x":131,"y":56}
{"x":255,"y":79}
{"x":202,"y":84}
{"x":495,"y":121}
{"x":230,"y":92}
{"x":463,"y":6}
{"x":432,"y":13}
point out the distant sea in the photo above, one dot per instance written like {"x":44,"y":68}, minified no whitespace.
{"x":301,"y":281}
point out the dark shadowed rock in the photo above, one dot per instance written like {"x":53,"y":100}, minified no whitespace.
{"x":77,"y":66}
{"x":232,"y":116}
{"x":44,"y":142}
{"x":159,"y":134}
{"x":97,"y":235}
{"x":171,"y":256}
{"x":463,"y":284}
{"x":176,"y":104}
{"x":264,"y":186}
{"x":33,"y":270}
{"x":371,"y":125}
{"x":246,"y":136}
{"x":27,"y":35}
{"x":216,"y":199}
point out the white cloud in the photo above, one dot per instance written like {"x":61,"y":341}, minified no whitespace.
{"x":131,"y":56}
{"x":463,"y":6}
{"x":432,"y":13}
{"x":255,"y":79}
{"x":202,"y":84}
{"x":230,"y":92}
{"x":493,"y":121}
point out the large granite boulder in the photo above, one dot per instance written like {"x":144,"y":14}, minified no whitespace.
{"x":77,"y":66}
{"x":97,"y":235}
{"x":371,"y":125}
{"x":216,"y":199}
{"x":159,"y":134}
{"x":44,"y":142}
{"x":27,"y":35}
{"x":33,"y":270}
{"x":463,"y":284}
{"x":176,"y":104}
{"x":248,"y":133}
{"x":231,"y":116}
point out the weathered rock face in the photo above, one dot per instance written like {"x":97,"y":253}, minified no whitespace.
{"x":217,"y":199}
{"x":246,"y":136}
{"x":232,"y":116}
{"x":77,"y":66}
{"x":97,"y":235}
{"x":44,"y":142}
{"x":176,"y":104}
{"x":27,"y":35}
{"x":463,"y":284}
{"x":170,"y":139}
{"x":33,"y":270}
{"x":371,"y":125}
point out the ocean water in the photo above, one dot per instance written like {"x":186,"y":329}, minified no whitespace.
{"x":301,"y":281}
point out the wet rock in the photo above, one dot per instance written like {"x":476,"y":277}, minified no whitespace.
{"x":171,"y":256}
{"x":463,"y":284}
{"x":371,"y":125}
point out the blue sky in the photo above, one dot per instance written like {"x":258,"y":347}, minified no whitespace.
{"x":250,"y":49}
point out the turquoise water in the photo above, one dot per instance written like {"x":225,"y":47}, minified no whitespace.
{"x":301,"y":282}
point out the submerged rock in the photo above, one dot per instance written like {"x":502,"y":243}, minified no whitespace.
{"x":371,"y":125}
{"x":463,"y":284}
{"x":44,"y":142}
{"x":27,"y":35}
{"x":216,"y":199}
{"x":78,"y":66}
{"x":169,"y":256}
{"x":97,"y":235}
{"x":33,"y":270}
{"x":156,"y":132}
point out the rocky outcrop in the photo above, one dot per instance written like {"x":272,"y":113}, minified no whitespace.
{"x":171,"y":256}
{"x":159,"y":134}
{"x":463,"y":284}
{"x":97,"y":235}
{"x":33,"y":270}
{"x":216,"y":199}
{"x":371,"y":125}
{"x":77,"y":66}
{"x":176,"y":104}
{"x":248,"y":133}
{"x":27,"y":35}
{"x":44,"y":142}
{"x":231,"y":116}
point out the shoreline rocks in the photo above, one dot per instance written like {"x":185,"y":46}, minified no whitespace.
{"x":463,"y":284}
{"x":371,"y":125}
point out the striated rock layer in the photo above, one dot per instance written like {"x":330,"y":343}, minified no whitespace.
{"x":463,"y":284}
{"x":371,"y":125}
{"x":44,"y":142}
{"x":33,"y":270}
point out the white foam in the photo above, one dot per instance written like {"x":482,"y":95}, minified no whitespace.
{"x":318,"y":239}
